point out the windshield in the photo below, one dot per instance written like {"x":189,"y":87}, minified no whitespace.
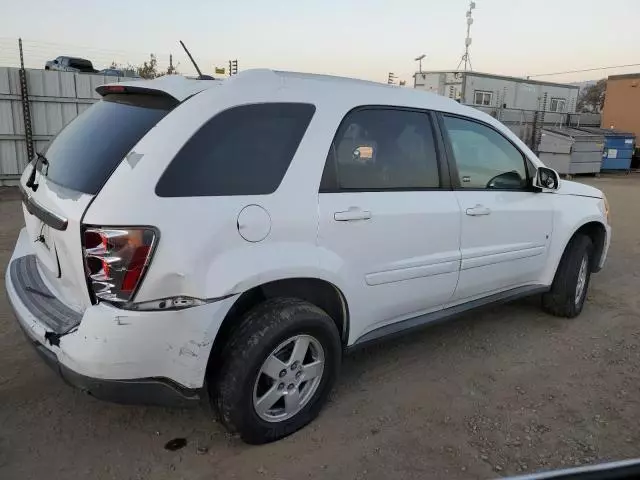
{"x":85,"y":153}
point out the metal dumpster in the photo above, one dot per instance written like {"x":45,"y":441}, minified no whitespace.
{"x":571,"y":151}
{"x":618,"y":147}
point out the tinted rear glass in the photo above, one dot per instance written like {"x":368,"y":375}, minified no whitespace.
{"x":85,"y":153}
{"x":382,"y":149}
{"x":245,"y":150}
{"x":80,"y":64}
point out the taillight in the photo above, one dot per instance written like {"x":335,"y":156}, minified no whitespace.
{"x":113,"y":89}
{"x":115,"y":260}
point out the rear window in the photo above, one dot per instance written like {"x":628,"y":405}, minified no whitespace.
{"x":245,"y":150}
{"x":87,"y":151}
{"x":81,"y":64}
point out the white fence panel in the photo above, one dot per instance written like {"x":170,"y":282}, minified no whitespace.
{"x":55,"y":98}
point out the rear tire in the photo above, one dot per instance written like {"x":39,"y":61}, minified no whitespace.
{"x":569,"y":289}
{"x":270,"y":334}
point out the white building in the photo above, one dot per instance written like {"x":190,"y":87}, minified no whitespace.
{"x":484,"y":89}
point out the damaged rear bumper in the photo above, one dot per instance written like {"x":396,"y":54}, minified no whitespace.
{"x":142,"y":391}
{"x":148,"y":357}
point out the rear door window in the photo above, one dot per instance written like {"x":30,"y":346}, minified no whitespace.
{"x":245,"y":150}
{"x":87,"y":151}
{"x":379,"y":149}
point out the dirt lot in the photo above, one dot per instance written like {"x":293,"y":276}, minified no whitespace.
{"x":497,"y":393}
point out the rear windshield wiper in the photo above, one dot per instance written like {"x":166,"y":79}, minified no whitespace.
{"x":31,"y":181}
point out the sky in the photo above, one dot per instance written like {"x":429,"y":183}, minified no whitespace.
{"x":355,"y":38}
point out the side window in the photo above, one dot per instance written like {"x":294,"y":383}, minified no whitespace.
{"x":485,"y":159}
{"x":245,"y":150}
{"x":383,"y":149}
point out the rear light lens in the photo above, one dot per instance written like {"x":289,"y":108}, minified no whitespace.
{"x":115,"y":260}
{"x":114,"y":89}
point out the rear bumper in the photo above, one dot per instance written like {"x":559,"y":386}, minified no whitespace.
{"x":152,"y":357}
{"x":141,"y":391}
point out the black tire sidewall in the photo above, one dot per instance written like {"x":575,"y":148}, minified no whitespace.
{"x":238,"y":400}
{"x":560,"y":300}
{"x":579,"y":305}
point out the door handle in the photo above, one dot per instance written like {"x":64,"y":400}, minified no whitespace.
{"x":354,"y":213}
{"x":478,"y":210}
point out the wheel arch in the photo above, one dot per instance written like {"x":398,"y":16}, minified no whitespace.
{"x":597,"y":232}
{"x":319,"y":292}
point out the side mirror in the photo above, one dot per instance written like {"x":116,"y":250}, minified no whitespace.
{"x":546,"y":178}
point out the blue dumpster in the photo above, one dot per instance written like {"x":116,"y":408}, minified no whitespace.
{"x":618,"y":148}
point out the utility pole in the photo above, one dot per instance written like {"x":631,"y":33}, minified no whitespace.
{"x":391,"y":78}
{"x":171,"y":64}
{"x":419,"y":60}
{"x":466,"y":58}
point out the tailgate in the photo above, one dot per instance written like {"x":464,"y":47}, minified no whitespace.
{"x":52,"y":216}
{"x":70,"y":173}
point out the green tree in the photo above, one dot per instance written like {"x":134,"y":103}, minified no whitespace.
{"x":128,"y":70}
{"x":592,"y":98}
{"x":149,"y":69}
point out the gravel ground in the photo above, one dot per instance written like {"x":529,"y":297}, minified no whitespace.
{"x":496,"y":393}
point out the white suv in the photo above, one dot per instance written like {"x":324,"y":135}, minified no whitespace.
{"x":230,"y":240}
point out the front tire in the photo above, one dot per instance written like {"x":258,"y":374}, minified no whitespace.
{"x":569,"y":289}
{"x":278,"y":369}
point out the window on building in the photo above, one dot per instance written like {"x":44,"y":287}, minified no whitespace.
{"x":483,"y":98}
{"x":557,"y":105}
{"x":382,"y":149}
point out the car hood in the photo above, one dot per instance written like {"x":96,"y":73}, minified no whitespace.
{"x":579,"y":189}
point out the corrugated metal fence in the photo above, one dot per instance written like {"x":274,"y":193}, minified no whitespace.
{"x":524,"y":122}
{"x":55,"y":99}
